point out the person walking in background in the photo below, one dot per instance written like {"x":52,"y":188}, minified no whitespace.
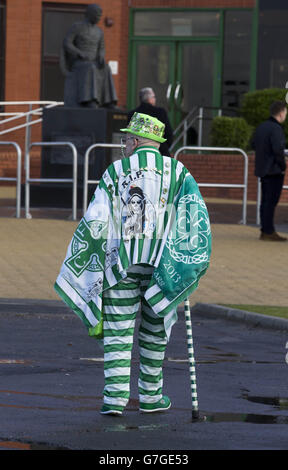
{"x":148,"y":106}
{"x":269,"y":145}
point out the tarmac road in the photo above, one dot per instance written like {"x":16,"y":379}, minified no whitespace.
{"x":51,"y":376}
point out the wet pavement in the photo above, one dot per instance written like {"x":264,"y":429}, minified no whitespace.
{"x":52,"y":381}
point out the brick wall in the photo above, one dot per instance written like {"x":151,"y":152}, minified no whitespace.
{"x":8,"y":166}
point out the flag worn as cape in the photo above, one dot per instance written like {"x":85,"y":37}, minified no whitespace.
{"x":146,"y":209}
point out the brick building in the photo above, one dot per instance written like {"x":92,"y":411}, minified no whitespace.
{"x":192,"y":52}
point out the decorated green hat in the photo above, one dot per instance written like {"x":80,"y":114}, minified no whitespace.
{"x":146,"y":126}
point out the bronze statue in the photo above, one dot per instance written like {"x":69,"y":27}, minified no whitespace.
{"x":88,"y":80}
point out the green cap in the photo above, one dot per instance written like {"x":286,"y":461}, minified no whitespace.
{"x":146,"y":126}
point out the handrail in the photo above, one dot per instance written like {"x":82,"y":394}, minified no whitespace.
{"x":28,"y":114}
{"x":29,"y":180}
{"x":18,"y":177}
{"x":185,"y":124}
{"x":224,"y":185}
{"x":86,"y":181}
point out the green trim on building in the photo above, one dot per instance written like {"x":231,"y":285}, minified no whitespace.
{"x":254,"y":48}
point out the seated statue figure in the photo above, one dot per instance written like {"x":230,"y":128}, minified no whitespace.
{"x":88,"y":80}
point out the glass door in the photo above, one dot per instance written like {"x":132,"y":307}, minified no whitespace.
{"x":183,"y":74}
{"x":196,"y":73}
{"x":153,"y":66}
{"x":197,"y":84}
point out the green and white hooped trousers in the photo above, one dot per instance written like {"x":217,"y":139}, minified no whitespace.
{"x":120,"y":307}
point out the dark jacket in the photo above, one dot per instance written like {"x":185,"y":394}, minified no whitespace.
{"x":161,"y":114}
{"x":269,"y":145}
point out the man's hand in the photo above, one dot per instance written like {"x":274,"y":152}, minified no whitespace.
{"x":83,"y":56}
{"x":101,"y":62}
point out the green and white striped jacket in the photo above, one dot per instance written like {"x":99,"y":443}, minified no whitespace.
{"x":147,"y":208}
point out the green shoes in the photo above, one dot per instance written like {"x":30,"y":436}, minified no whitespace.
{"x":111,"y":410}
{"x":161,"y":405}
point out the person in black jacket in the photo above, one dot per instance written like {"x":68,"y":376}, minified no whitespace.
{"x":148,"y":106}
{"x":269,"y":145}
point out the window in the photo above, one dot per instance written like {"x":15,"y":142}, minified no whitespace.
{"x":272,"y":66}
{"x":236,"y":58}
{"x":56,"y":20}
{"x":2,"y":48}
{"x":175,"y":23}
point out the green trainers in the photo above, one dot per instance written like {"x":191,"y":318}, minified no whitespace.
{"x":111,"y":410}
{"x":161,"y":405}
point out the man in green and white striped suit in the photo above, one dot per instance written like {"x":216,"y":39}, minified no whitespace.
{"x":143,"y":244}
{"x":122,"y":302}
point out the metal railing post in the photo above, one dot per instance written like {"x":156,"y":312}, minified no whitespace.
{"x":72,"y":180}
{"x":224,"y":185}
{"x":18,"y":177}
{"x":86,"y":181}
{"x":28,"y":128}
{"x":200,"y":127}
{"x":185,"y":129}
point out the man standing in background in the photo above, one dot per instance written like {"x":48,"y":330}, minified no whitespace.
{"x":148,"y":106}
{"x":269,"y":145}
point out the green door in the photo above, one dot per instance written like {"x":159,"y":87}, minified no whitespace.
{"x":183,"y":74}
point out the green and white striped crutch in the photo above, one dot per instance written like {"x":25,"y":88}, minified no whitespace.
{"x":192,"y":368}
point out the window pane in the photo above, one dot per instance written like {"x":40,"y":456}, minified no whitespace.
{"x":56,"y":22}
{"x":197,"y":81}
{"x":53,"y":82}
{"x":153,"y":62}
{"x":185,"y":23}
{"x":272,"y":70}
{"x":236,"y":60}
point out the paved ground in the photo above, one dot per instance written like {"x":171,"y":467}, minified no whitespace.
{"x":51,"y":376}
{"x":243,"y":270}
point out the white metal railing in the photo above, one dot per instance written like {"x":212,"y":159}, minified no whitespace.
{"x":86,"y":181}
{"x":72,"y":180}
{"x":18,"y":176}
{"x":28,"y":114}
{"x":196,"y":114}
{"x":14,"y":118}
{"x":244,"y":186}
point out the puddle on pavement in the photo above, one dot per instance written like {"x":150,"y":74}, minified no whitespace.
{"x":144,"y":427}
{"x":217,"y":356}
{"x":245,"y":418}
{"x":15,"y":361}
{"x":227,"y":358}
{"x":280,"y":403}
